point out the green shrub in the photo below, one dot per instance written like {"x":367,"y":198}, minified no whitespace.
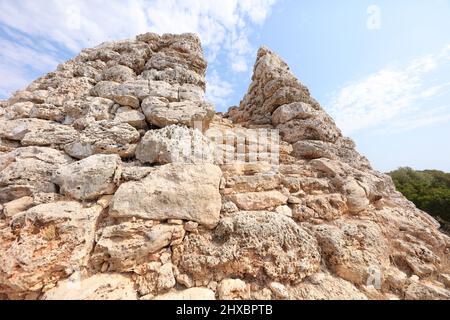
{"x":429,"y":190}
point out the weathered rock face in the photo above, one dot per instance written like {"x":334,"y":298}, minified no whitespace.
{"x":275,"y":97}
{"x":174,"y":144}
{"x":28,"y":170}
{"x":105,"y":286}
{"x":89,"y":178}
{"x":118,"y":181}
{"x":173,"y":191}
{"x":44,"y":244}
{"x":253,"y":244}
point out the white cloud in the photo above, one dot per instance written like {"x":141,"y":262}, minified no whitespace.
{"x":217,"y":89}
{"x":21,"y":62}
{"x":395,"y":98}
{"x":70,"y":25}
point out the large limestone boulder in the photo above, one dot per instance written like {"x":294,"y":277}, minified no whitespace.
{"x":106,"y":137}
{"x":188,"y":113}
{"x":87,"y":108}
{"x":127,"y":246}
{"x":89,"y":178}
{"x":18,"y":128}
{"x":26,"y":171}
{"x":295,"y":110}
{"x":134,"y":118}
{"x":118,"y":73}
{"x":255,"y":245}
{"x":354,"y":249}
{"x":173,"y":191}
{"x":174,"y":144}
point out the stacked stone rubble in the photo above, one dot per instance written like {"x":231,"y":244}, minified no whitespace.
{"x":97,"y":202}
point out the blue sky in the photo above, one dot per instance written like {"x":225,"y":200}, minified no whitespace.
{"x":380,"y":68}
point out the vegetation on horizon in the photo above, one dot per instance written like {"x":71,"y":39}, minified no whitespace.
{"x":429,"y":190}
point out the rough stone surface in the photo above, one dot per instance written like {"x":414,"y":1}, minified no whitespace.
{"x":107,"y":286}
{"x":89,"y":178}
{"x":104,"y":137}
{"x":26,"y":171}
{"x":188,"y":113}
{"x":251,"y":244}
{"x":96,"y":204}
{"x":173,"y":191}
{"x":174,"y":144}
{"x":125,"y":246}
{"x":46,"y":243}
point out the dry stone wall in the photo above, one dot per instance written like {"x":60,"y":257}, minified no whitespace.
{"x":119,"y":181}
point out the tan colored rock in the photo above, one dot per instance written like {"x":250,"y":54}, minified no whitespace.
{"x":284,"y":210}
{"x":336,"y":229}
{"x":134,"y":118}
{"x":191,"y":92}
{"x":166,"y":279}
{"x":105,"y":89}
{"x":445,"y":279}
{"x":174,"y":144}
{"x":118,"y":73}
{"x":233,"y":289}
{"x":357,"y":200}
{"x":89,"y":178}
{"x":252,"y":244}
{"x":51,"y":135}
{"x":104,"y":137}
{"x":327,"y":287}
{"x":426,"y":291}
{"x":87,"y":108}
{"x":279,"y":290}
{"x":188,"y":113}
{"x":163,"y":89}
{"x":326,"y":207}
{"x":254,"y":183}
{"x":128,"y":245}
{"x":8,"y":145}
{"x":295,"y":110}
{"x":135,"y":173}
{"x":47,"y":112}
{"x":125,"y":100}
{"x":137,"y":88}
{"x":352,"y":249}
{"x":26,"y":171}
{"x":173,"y":191}
{"x":16,"y":206}
{"x":259,"y":200}
{"x":18,"y":128}
{"x":19,"y":110}
{"x":50,"y":242}
{"x":107,"y":286}
{"x":191,"y":226}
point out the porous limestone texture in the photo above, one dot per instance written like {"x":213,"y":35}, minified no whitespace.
{"x":119,"y":181}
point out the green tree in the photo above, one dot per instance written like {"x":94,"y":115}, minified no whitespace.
{"x":429,"y":190}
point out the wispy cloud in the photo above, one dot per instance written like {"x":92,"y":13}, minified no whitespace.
{"x":217,"y":89}
{"x":43,"y":31}
{"x":396,"y":98}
